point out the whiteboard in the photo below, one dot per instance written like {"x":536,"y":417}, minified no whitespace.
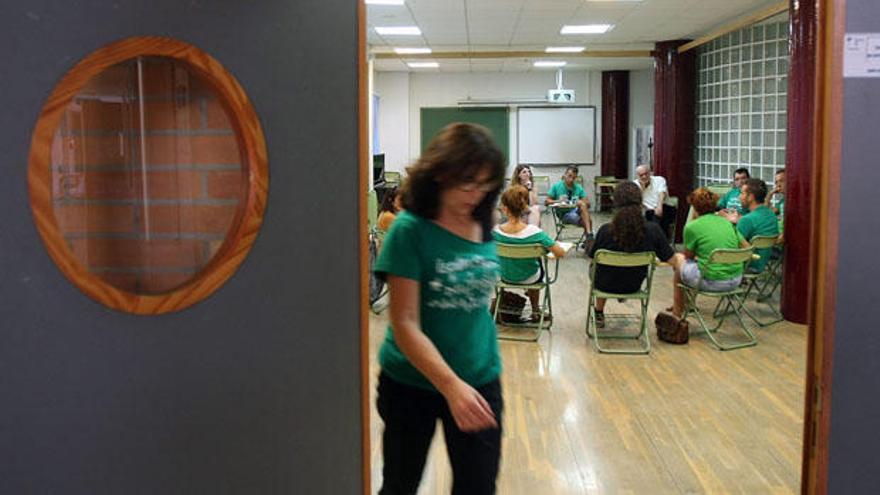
{"x":556,"y":135}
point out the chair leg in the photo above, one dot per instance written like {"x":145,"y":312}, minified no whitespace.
{"x":531,"y":336}
{"x":735,"y":303}
{"x":595,"y":334}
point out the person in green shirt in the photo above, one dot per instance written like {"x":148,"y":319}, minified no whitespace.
{"x":568,"y":192}
{"x":515,"y":205}
{"x":760,"y":220}
{"x":730,"y":202}
{"x":702,"y":236}
{"x":776,"y":199}
{"x":440,"y":359}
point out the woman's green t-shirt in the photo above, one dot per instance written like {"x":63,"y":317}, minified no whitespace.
{"x":707,"y":233}
{"x":456,"y":280}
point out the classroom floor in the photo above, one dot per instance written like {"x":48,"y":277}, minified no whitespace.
{"x":685,"y":419}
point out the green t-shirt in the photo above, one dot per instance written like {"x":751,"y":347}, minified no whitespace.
{"x":707,"y":233}
{"x":517,"y":270}
{"x":760,"y":221}
{"x":731,"y":201}
{"x":778,"y":202}
{"x":559,"y":191}
{"x":456,"y":280}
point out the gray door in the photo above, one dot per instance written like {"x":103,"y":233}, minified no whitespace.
{"x":254,"y":390}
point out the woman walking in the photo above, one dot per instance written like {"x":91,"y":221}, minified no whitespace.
{"x":440,"y":356}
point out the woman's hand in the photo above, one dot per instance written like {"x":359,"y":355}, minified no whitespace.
{"x":469,"y":409}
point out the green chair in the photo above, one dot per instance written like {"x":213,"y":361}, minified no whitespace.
{"x":757,"y":283}
{"x":732,"y":297}
{"x":719,"y":189}
{"x":541,"y":183}
{"x":619,"y":259}
{"x":603,"y":188}
{"x":378,"y":288}
{"x":557,"y":212}
{"x":392,"y":178}
{"x":545,"y":309}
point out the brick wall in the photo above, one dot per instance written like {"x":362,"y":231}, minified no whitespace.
{"x":145,"y":207}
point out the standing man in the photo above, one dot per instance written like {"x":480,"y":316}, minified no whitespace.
{"x":654,"y":194}
{"x":760,"y":219}
{"x":730,"y":202}
{"x":569,"y":191}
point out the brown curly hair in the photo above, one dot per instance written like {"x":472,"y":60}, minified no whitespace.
{"x":628,"y":224}
{"x":703,"y":200}
{"x":456,"y":155}
{"x":514,"y":179}
{"x":516,"y":200}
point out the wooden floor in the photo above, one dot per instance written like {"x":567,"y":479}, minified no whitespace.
{"x":685,"y":419}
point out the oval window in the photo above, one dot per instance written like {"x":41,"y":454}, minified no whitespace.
{"x":148,"y":175}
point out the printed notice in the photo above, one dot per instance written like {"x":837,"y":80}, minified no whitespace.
{"x":861,"y":55}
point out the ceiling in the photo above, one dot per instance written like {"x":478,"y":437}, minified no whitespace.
{"x":532,"y":25}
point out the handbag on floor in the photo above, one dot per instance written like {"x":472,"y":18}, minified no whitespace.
{"x":671,"y":329}
{"x":511,"y":309}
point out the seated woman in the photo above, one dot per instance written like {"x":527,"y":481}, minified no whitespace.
{"x":515,"y":204}
{"x":703,"y":235}
{"x":522,"y":176}
{"x":390,"y":208}
{"x":628,"y":232}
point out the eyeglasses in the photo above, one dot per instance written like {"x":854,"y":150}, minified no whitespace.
{"x":484,"y":187}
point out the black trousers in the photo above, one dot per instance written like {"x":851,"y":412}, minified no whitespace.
{"x":665,"y":221}
{"x":410,"y":415}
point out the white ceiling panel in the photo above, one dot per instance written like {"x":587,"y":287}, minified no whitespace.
{"x":532,"y":25}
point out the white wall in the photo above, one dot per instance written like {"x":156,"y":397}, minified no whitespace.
{"x":404,"y":94}
{"x":394,"y":130}
{"x":641,"y":106}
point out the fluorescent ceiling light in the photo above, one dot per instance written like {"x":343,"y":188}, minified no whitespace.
{"x":423,"y":65}
{"x":586,"y":29}
{"x":564,"y":49}
{"x":411,"y":51}
{"x":399,"y":30}
{"x":550,"y":63}
{"x":383,"y":2}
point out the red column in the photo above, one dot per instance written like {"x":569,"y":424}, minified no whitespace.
{"x":799,"y":160}
{"x":675,"y":79}
{"x":615,"y":122}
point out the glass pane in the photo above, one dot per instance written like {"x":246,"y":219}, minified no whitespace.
{"x":147,"y":175}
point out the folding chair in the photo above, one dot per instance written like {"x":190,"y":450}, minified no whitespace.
{"x":643,"y":295}
{"x":557,"y":212}
{"x":378,"y":289}
{"x":732,"y":297}
{"x":755,"y":283}
{"x":545,"y":309}
{"x":392,"y":178}
{"x":603,"y":187}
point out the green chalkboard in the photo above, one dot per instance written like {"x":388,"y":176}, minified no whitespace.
{"x":496,"y":119}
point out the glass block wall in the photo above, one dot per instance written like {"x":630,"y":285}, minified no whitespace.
{"x":741,"y":103}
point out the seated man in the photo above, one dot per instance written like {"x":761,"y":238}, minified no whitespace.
{"x":703,"y":235}
{"x":569,"y":191}
{"x":629,"y":232}
{"x":654,"y":194}
{"x":759,"y":220}
{"x":729,"y":203}
{"x":776,"y":199}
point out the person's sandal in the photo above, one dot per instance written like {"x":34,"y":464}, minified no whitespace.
{"x":600,"y":319}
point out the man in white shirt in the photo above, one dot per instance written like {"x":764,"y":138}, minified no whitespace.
{"x":654,"y":194}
